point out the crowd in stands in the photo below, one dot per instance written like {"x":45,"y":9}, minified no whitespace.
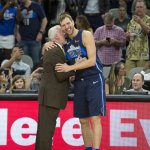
{"x":121,"y":29}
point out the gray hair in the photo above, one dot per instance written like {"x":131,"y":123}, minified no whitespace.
{"x":53,"y":31}
{"x":108,"y":17}
{"x":142,"y":76}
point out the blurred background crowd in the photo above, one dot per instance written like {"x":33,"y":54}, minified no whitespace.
{"x":121,"y":29}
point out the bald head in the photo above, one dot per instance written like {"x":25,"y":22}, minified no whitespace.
{"x":137,"y":81}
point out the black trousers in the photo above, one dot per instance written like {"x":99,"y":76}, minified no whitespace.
{"x":46,"y":126}
{"x":5,"y":54}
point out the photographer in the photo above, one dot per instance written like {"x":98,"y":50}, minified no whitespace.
{"x":109,"y":40}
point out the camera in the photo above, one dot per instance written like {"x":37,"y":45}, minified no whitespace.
{"x":6,"y":72}
{"x":108,"y":39}
{"x":4,"y":85}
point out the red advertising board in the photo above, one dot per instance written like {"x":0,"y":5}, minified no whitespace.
{"x":126,"y":127}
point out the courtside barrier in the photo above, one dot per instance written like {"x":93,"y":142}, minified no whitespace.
{"x":126,"y":126}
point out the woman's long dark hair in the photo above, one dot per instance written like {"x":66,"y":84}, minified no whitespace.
{"x":113,"y":76}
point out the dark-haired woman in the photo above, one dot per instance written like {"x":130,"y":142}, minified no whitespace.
{"x":83,"y":23}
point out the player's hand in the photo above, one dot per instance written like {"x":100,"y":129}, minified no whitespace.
{"x":47,"y":46}
{"x":62,"y":67}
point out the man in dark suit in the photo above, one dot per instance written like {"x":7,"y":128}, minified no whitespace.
{"x":53,"y":91}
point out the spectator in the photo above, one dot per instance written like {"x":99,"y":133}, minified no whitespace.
{"x":83,"y":23}
{"x":75,"y":8}
{"x":137,"y":83}
{"x":129,"y":5}
{"x":18,"y":82}
{"x":117,"y":80}
{"x":122,"y":3}
{"x":16,"y":64}
{"x":57,"y":7}
{"x":4,"y":81}
{"x":36,"y":78}
{"x":147,"y":2}
{"x":8,"y":13}
{"x":31,"y":28}
{"x":72,"y":7}
{"x":114,"y":11}
{"x":94,"y":11}
{"x":54,"y":7}
{"x":122,"y":21}
{"x":137,"y":34}
{"x":109,"y":40}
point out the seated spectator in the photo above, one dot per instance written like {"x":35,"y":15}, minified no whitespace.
{"x":18,"y":82}
{"x":83,"y":23}
{"x":35,"y":78}
{"x":137,"y":84}
{"x":117,"y":80}
{"x":4,"y":81}
{"x":16,"y":64}
{"x":19,"y":85}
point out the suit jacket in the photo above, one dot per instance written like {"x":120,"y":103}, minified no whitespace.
{"x":54,"y":86}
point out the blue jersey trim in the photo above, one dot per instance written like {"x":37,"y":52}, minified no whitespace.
{"x":102,"y":95}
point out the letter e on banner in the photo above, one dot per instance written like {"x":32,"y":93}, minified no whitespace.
{"x":3,"y":126}
{"x":24,"y":126}
{"x":70,"y":129}
{"x":116,"y":127}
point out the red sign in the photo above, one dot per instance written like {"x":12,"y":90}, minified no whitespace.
{"x":126,"y":127}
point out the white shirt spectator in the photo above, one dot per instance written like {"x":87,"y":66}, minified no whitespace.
{"x":19,"y":67}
